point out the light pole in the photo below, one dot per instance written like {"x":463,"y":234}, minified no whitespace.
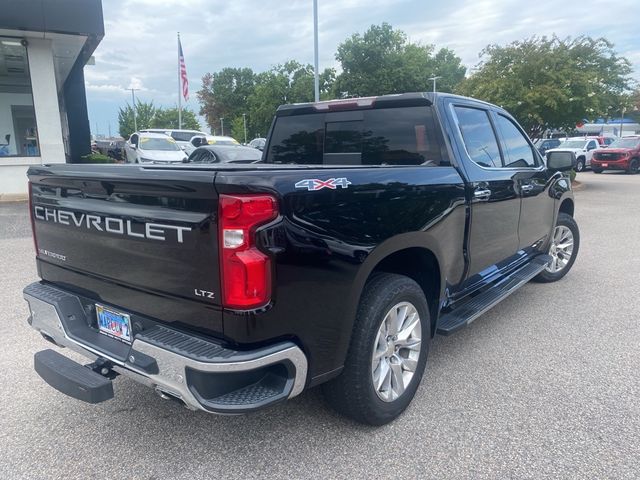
{"x":624,"y":109}
{"x":222,"y":126}
{"x":244,"y":121}
{"x":434,"y":78}
{"x":316,"y":79}
{"x":133,"y":100}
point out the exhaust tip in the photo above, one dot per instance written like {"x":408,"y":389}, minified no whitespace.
{"x":165,"y":395}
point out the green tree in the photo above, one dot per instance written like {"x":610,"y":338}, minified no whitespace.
{"x":634,"y":105}
{"x":448,"y":66}
{"x":237,"y":129}
{"x":383,"y":61}
{"x":291,"y":82}
{"x":224,"y":94}
{"x":551,"y":82}
{"x":144,"y":117}
{"x":168,"y":118}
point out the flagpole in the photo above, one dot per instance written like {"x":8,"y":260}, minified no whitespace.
{"x":179,"y":88}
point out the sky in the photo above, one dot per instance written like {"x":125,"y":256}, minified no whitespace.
{"x":139,"y":48}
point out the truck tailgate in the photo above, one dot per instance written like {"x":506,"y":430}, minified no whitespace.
{"x":150,"y":230}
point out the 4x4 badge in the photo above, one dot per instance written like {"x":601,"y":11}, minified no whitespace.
{"x":313,"y":184}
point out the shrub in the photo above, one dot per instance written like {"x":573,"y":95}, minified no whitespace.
{"x":97,"y":158}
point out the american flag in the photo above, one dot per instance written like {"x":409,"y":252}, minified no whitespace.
{"x":183,"y":73}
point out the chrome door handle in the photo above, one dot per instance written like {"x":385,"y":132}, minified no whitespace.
{"x":482,"y":194}
{"x":526,"y":188}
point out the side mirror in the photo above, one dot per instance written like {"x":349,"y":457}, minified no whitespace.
{"x":561,"y":161}
{"x":183,"y":147}
{"x":134,"y":146}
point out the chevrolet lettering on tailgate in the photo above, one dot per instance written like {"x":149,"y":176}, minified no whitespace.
{"x":152,"y":231}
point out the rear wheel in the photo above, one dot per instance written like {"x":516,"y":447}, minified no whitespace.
{"x":388,"y":352}
{"x":563,"y":249}
{"x":580,"y":164}
{"x":633,"y":166}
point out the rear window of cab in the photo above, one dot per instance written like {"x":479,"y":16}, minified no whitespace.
{"x":389,"y":136}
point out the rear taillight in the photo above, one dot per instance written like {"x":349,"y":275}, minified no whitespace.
{"x":246,"y":271}
{"x":31,"y":216}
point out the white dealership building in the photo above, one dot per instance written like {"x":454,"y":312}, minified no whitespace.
{"x":44,"y":47}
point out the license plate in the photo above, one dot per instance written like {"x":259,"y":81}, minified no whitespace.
{"x":605,"y":164}
{"x":114,"y":324}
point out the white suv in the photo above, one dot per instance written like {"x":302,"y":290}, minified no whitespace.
{"x":582,"y":147}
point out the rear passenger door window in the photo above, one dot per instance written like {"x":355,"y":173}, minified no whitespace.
{"x":518,"y":152}
{"x":478,"y":136}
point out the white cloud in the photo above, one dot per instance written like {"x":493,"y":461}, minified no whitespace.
{"x":140,"y":36}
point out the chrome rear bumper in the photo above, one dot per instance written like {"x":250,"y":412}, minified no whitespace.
{"x":201,"y":373}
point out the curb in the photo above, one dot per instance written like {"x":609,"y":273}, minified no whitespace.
{"x":13,"y":197}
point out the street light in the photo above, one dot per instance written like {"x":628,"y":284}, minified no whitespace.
{"x":222,"y":126}
{"x":316,"y":80}
{"x":434,"y":78}
{"x":133,"y":99}
{"x":244,"y":121}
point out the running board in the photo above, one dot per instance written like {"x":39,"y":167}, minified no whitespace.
{"x":469,"y":310}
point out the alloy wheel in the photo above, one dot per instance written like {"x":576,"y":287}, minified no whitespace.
{"x":396,"y":351}
{"x":561,"y":249}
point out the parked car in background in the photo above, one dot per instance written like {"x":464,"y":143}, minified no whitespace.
{"x":225,"y":154}
{"x":258,"y":143}
{"x":544,"y":144}
{"x":182,"y":137}
{"x":147,"y":147}
{"x":623,"y":154}
{"x":581,"y":147}
{"x":201,"y":140}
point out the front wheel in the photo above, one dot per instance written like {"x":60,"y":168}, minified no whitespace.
{"x":580,"y":164}
{"x":633,"y":166}
{"x":388,"y":352}
{"x":563,"y":249}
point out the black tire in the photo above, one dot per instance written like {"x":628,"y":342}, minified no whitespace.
{"x":596,"y":170}
{"x":633,"y":166}
{"x":567,"y":221}
{"x":580,"y":164}
{"x":352,"y":393}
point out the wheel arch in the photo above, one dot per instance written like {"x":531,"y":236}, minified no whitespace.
{"x":567,"y":206}
{"x":411,"y":255}
{"x":422,"y":266}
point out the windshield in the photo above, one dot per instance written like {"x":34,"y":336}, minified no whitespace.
{"x":573,"y":144}
{"x":239,"y":153}
{"x":162,"y":144}
{"x":183,"y":136}
{"x":626,"y":143}
{"x":221,"y":141}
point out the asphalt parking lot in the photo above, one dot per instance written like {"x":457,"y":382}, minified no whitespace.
{"x":545,"y":385}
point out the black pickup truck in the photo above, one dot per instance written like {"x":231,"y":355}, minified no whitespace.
{"x":369,"y":226}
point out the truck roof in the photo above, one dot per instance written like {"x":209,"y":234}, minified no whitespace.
{"x":411,"y":99}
